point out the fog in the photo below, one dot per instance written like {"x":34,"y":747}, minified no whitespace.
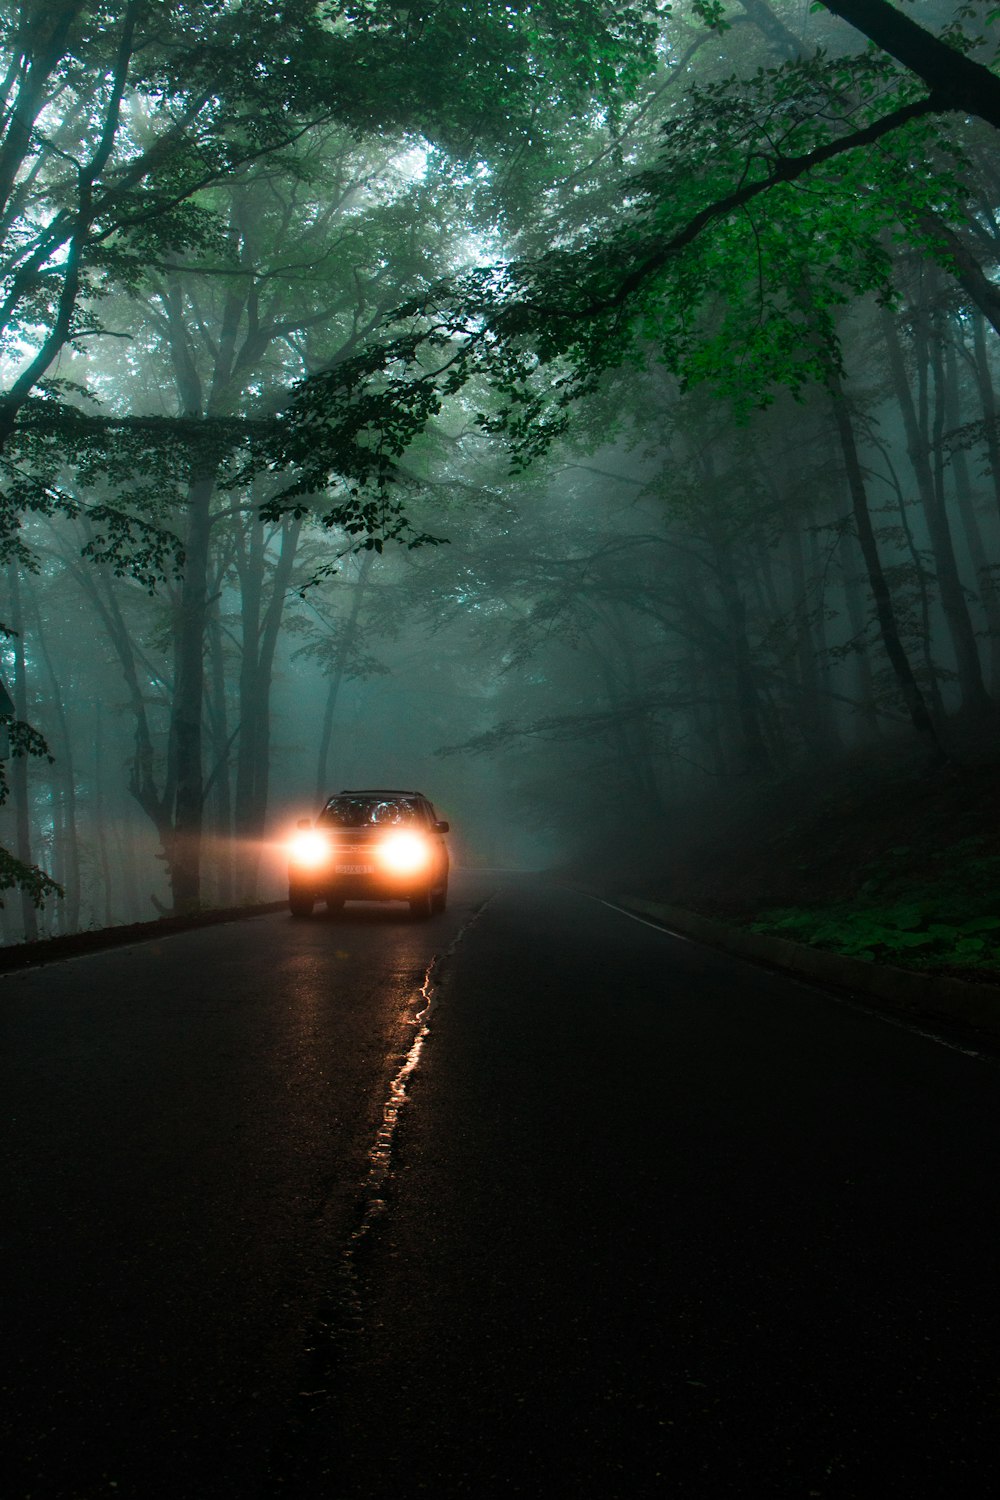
{"x":589,"y":582}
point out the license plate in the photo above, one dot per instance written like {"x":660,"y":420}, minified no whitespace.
{"x":355,"y":869}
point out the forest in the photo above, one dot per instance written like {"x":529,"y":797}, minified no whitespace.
{"x":585,"y":412}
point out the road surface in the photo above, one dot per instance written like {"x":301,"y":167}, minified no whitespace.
{"x":532,"y":1197}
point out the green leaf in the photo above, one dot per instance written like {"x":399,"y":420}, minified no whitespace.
{"x":980,"y":924}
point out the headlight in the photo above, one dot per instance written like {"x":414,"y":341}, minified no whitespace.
{"x":309,"y":849}
{"x":404,"y":853}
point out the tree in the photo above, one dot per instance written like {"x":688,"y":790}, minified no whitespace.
{"x":956,"y":81}
{"x":119,"y":129}
{"x":117,"y":121}
{"x":676,"y":278}
{"x":690,"y":273}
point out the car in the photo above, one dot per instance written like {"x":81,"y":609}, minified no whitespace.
{"x":370,"y":844}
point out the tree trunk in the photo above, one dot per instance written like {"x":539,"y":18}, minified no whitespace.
{"x":184,"y":855}
{"x":269,"y":637}
{"x":19,"y":763}
{"x":754,"y":754}
{"x":958,"y":81}
{"x":981,"y":292}
{"x":858,"y":621}
{"x":908,"y":686}
{"x":923,"y":577}
{"x":953,"y":601}
{"x":261,"y":631}
{"x":812,"y":707}
{"x":949,"y":416}
{"x":68,"y":840}
{"x":222,"y":820}
{"x":821,"y":663}
{"x":250,"y":565}
{"x":638,"y":731}
{"x":347,"y":639}
{"x":100,"y":817}
{"x":142,"y":784}
{"x":988,"y":401}
{"x":134,"y":909}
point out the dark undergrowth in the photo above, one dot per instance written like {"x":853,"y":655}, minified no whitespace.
{"x":878,"y":856}
{"x":916,"y":911}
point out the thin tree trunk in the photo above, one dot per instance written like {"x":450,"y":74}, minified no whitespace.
{"x":812,"y":707}
{"x":981,"y":566}
{"x":100,"y":819}
{"x":858,"y":622}
{"x":706,"y":716}
{"x":68,"y":840}
{"x":250,"y":565}
{"x":223,"y":812}
{"x":898,"y":660}
{"x":269,"y":637}
{"x":347,"y":639}
{"x":638,"y":730}
{"x":923,"y":578}
{"x":134,"y":911}
{"x":142,"y":784}
{"x":19,"y":765}
{"x":988,"y":401}
{"x":261,"y":631}
{"x":184,"y":860}
{"x":821,"y":663}
{"x":953,"y":601}
{"x":754,"y":753}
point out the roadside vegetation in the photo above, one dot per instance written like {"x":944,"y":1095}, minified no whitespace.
{"x":904,"y":917}
{"x":880,"y":859}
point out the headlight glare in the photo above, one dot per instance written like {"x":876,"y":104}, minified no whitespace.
{"x":404,"y":853}
{"x":310,"y":849}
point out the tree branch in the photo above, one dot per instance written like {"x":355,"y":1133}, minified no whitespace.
{"x":959,"y":81}
{"x":783,"y":170}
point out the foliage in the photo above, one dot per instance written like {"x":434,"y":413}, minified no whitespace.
{"x":159,"y":101}
{"x":691,"y":271}
{"x":125,"y":121}
{"x":14,"y":873}
{"x":473,"y":76}
{"x":124,"y":477}
{"x":948,"y":919}
{"x":335,"y":650}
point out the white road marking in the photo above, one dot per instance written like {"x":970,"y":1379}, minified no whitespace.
{"x":815,"y":987}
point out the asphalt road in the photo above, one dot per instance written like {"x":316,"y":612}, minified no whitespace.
{"x":530,"y":1198}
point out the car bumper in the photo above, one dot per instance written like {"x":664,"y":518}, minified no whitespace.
{"x":362,"y":886}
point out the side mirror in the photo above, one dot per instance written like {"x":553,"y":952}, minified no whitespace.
{"x":304,"y":823}
{"x":442,"y":827}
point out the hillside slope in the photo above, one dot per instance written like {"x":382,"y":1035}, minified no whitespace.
{"x":877,"y":856}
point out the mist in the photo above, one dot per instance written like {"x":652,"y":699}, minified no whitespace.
{"x":608,"y":585}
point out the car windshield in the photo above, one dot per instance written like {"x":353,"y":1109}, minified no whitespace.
{"x":366,"y":812}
